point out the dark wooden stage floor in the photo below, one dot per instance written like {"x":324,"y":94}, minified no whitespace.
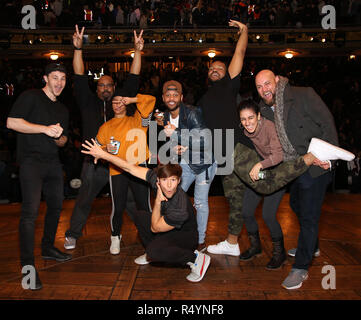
{"x":94,"y":273}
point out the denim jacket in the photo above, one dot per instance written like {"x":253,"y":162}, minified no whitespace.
{"x":192,"y":133}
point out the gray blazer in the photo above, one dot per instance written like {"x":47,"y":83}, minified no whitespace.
{"x":306,"y":116}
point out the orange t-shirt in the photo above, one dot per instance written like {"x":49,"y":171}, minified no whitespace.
{"x":130,"y":133}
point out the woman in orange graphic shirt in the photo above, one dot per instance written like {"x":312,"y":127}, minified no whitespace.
{"x":126,"y":137}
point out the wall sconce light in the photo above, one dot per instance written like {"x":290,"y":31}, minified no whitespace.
{"x":211,"y":54}
{"x":289,"y":53}
{"x":54,"y":56}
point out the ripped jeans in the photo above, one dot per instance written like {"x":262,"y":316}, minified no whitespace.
{"x":201,"y":190}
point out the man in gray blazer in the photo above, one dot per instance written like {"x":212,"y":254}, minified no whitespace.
{"x":300,"y":115}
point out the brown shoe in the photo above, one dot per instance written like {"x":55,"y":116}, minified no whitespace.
{"x":202,"y":247}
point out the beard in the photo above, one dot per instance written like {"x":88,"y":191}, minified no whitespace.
{"x":106,"y":95}
{"x":271,"y":102}
{"x":174,"y":108}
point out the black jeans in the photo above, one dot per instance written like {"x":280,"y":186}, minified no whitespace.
{"x":120,"y":185}
{"x":93,"y":177}
{"x":35,"y":178}
{"x":175,"y":246}
{"x":306,"y":198}
{"x":270,"y":206}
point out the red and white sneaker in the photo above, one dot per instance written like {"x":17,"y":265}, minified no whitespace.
{"x":199,"y":266}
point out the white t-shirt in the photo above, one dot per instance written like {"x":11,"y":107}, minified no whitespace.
{"x":174,"y":121}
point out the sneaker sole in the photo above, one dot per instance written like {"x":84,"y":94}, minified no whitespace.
{"x":316,"y":254}
{"x":339,"y":153}
{"x":69,"y":247}
{"x":205,"y":268}
{"x":56,"y":259}
{"x":141,"y":264}
{"x":251,"y":258}
{"x":226,"y":253}
{"x":297,"y":286}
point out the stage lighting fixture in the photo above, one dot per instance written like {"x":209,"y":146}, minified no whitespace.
{"x":54,"y":56}
{"x":211,"y":54}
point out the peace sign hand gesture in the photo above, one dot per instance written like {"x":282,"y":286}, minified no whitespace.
{"x":78,"y":37}
{"x":138,"y":41}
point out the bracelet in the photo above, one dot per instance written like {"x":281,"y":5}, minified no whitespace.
{"x":76,"y":48}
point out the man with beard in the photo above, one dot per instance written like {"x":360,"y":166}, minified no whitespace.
{"x":42,"y":125}
{"x":185,"y":126}
{"x":219,"y":109}
{"x":96,"y":109}
{"x":299,"y":115}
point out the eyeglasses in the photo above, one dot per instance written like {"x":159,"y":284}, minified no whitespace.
{"x":105,"y":85}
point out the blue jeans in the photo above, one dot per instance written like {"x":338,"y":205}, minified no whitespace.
{"x":201,"y":190}
{"x":306,"y":198}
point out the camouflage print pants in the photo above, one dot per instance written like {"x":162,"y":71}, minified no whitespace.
{"x":235,"y":184}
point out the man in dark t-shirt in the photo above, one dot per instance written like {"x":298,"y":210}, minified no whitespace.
{"x":169,"y":234}
{"x":219,"y":109}
{"x":41,"y":122}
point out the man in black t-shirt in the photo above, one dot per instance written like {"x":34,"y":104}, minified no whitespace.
{"x":41,"y":122}
{"x":220,"y":112}
{"x":169,"y":234}
{"x":95,"y":110}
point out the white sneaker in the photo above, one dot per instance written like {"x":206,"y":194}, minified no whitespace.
{"x":292,"y":252}
{"x":324,"y":151}
{"x":199,"y":267}
{"x":115,"y":245}
{"x":224,"y":247}
{"x":142,"y":260}
{"x":69,"y":243}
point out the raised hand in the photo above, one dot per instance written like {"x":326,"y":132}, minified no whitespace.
{"x":138,"y":41}
{"x":160,"y":196}
{"x":169,"y":129}
{"x":93,"y":149}
{"x":129,"y":100}
{"x":78,"y":37}
{"x":237,"y":24}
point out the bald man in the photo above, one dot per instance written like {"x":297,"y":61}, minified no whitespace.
{"x":95,"y":110}
{"x":299,"y":115}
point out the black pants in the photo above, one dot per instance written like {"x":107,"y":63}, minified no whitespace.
{"x":120,"y":185}
{"x":175,"y":246}
{"x":35,"y":178}
{"x":270,"y":206}
{"x":93,"y":178}
{"x":306,"y":199}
